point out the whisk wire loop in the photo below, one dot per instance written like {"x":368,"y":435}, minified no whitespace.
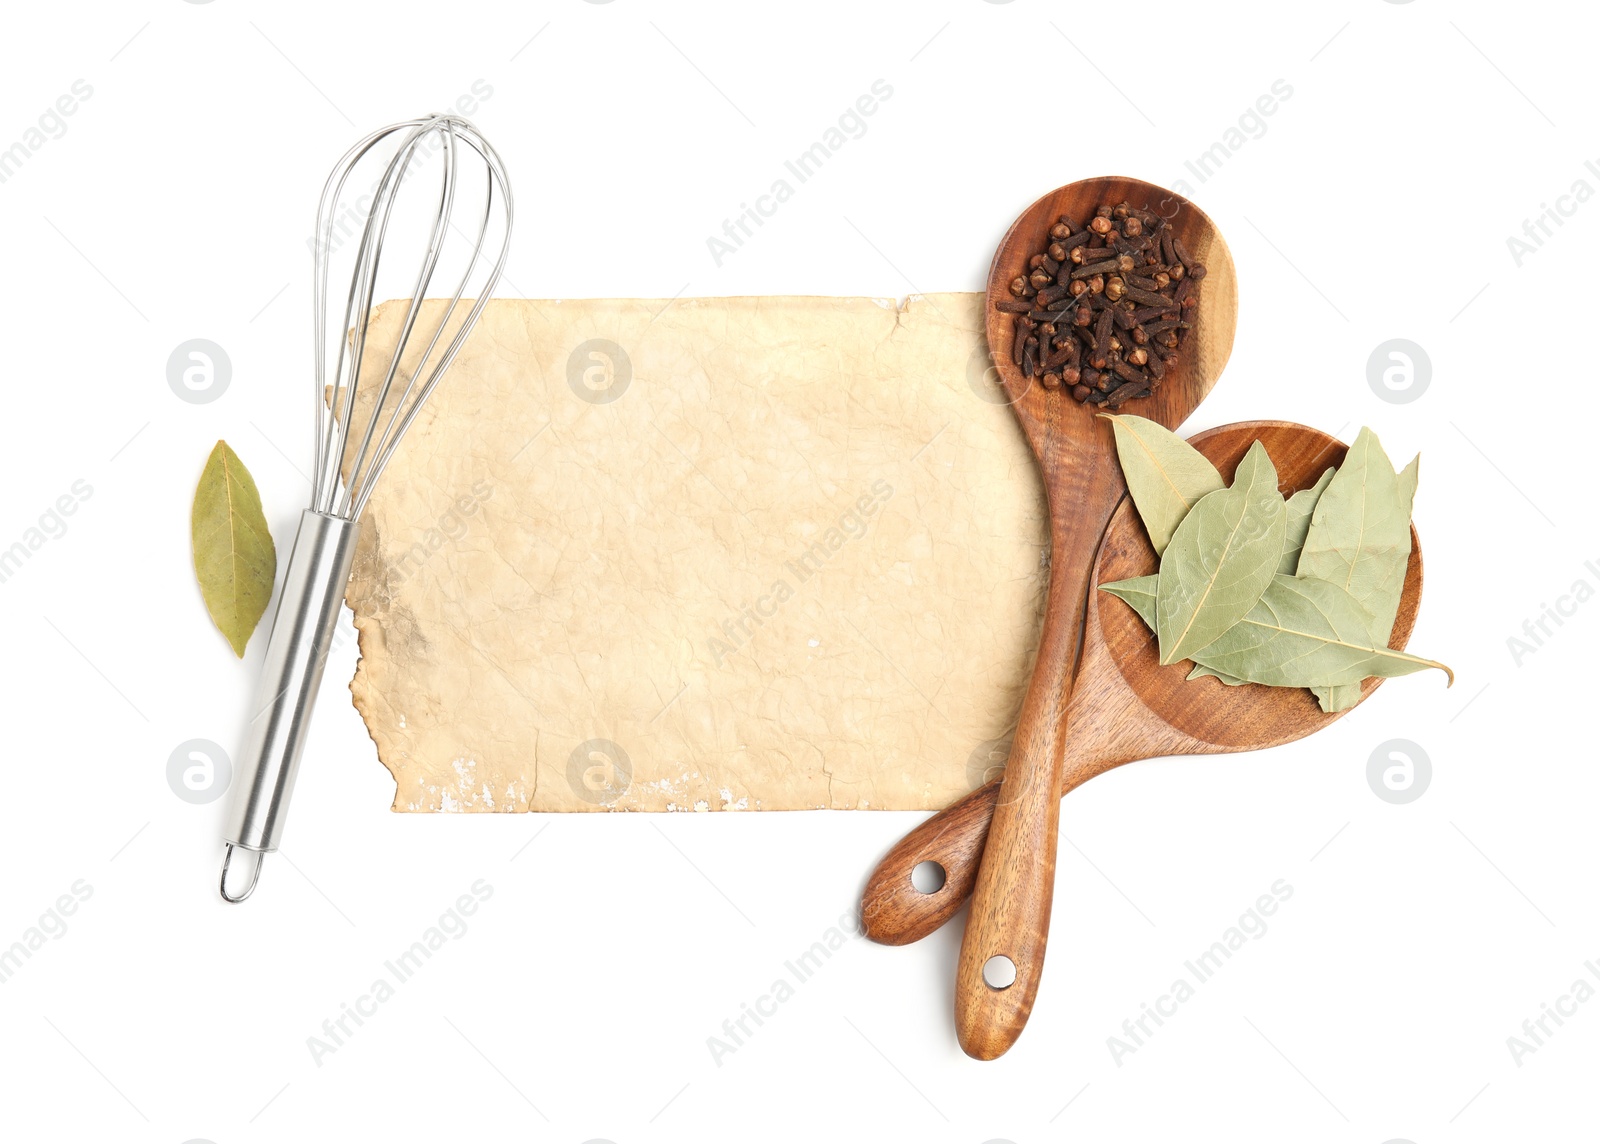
{"x":396,"y":407}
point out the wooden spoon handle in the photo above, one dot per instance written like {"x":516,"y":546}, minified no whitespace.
{"x":895,"y":912}
{"x":1010,"y":916}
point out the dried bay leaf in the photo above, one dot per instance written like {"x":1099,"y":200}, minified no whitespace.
{"x":1305,"y":632}
{"x":1139,"y":593}
{"x":1360,"y":539}
{"x":1360,"y":534}
{"x":1298,"y":523}
{"x":234,"y":558}
{"x":1166,"y":475}
{"x":1222,"y":557}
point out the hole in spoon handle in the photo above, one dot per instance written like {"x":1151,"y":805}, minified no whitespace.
{"x":999,"y":972}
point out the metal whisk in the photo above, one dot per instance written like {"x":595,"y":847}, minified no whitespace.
{"x":319,"y":564}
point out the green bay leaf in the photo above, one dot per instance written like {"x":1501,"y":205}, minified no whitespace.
{"x":1360,"y":534}
{"x":1166,"y":475}
{"x":1221,"y":559}
{"x":1139,"y":593}
{"x":1298,"y":523}
{"x":234,"y":558}
{"x":1306,"y":632}
{"x":1360,"y":539}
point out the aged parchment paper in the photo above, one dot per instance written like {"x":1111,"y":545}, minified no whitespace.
{"x":706,"y":554}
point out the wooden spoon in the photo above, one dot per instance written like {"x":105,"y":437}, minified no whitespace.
{"x":1011,"y":905}
{"x":1126,"y":705}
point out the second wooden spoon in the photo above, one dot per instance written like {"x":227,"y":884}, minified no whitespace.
{"x":1127,"y":706}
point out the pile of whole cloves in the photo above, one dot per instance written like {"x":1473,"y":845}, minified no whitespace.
{"x":1104,"y":307}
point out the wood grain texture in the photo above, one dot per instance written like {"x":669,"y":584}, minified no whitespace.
{"x":1126,"y":705}
{"x":1077,"y":459}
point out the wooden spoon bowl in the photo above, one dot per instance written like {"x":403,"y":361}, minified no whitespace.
{"x":1077,"y":459}
{"x":1126,"y":705}
{"x":1204,"y":352}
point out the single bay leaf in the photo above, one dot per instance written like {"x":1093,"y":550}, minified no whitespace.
{"x":1305,"y":632}
{"x":1360,"y":539}
{"x":1384,"y":600}
{"x":1298,"y":523}
{"x":1360,"y":534}
{"x":1221,"y":559}
{"x":1166,"y":475}
{"x":1139,"y":592}
{"x":234,"y":558}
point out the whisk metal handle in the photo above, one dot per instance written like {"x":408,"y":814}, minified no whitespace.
{"x":297,"y":651}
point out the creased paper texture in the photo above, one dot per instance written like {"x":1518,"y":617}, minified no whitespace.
{"x":707,"y":554}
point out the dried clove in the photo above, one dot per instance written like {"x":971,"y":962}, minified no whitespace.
{"x":1102,"y":308}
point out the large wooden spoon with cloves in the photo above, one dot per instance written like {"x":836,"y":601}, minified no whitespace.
{"x":1002,"y":954}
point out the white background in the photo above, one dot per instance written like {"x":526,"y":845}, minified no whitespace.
{"x":1376,"y":204}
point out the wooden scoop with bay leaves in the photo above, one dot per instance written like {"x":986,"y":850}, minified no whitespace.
{"x":1129,"y":705}
{"x":1011,"y":910}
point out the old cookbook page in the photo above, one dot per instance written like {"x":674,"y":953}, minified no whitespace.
{"x":712,"y":554}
